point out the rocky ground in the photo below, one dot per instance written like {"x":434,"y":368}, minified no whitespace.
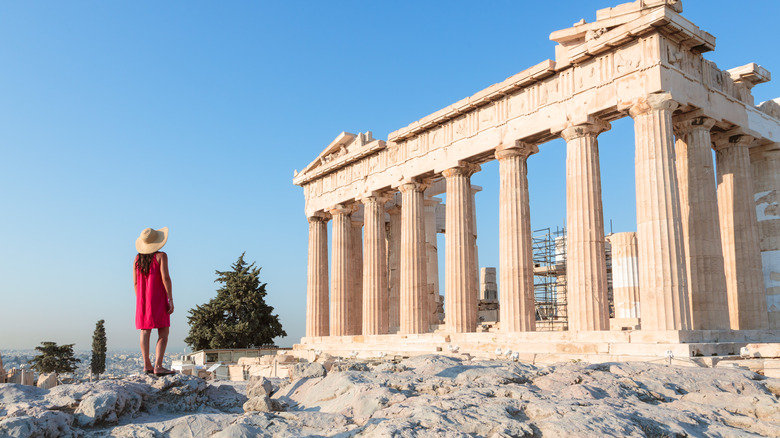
{"x":427,"y":396}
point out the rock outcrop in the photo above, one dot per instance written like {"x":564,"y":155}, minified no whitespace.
{"x":422,"y":396}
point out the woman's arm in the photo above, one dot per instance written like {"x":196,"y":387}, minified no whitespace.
{"x":166,"y":279}
{"x":135,"y":276}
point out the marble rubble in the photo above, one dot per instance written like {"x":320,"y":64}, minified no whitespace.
{"x":700,"y":276}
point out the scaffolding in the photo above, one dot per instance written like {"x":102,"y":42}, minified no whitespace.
{"x":549,"y":254}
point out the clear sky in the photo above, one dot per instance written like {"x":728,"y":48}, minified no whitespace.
{"x":116,"y":116}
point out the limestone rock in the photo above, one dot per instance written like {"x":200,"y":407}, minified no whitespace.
{"x":260,"y":403}
{"x":422,"y":396}
{"x":225,"y":398}
{"x":348,"y":366}
{"x":258,"y":387}
{"x":308,"y":370}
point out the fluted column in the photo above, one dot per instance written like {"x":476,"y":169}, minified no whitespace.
{"x":375,"y":297}
{"x":739,"y":233}
{"x":765,"y":168}
{"x":355,"y":297}
{"x":340,"y":280}
{"x":317,"y":278}
{"x":662,"y":275}
{"x":700,"y":225}
{"x":516,"y":266}
{"x":432,"y":258}
{"x":394,"y":267}
{"x":473,"y":208}
{"x":586,"y":265}
{"x":459,"y":272}
{"x":625,"y":274}
{"x":414,"y":305}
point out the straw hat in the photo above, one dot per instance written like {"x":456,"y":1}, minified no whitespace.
{"x":151,"y":240}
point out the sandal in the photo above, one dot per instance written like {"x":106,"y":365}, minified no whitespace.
{"x":148,"y":371}
{"x":164,"y":373}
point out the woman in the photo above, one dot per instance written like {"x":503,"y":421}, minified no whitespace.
{"x":153,"y":296}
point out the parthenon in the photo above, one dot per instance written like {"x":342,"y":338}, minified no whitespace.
{"x":701,"y":274}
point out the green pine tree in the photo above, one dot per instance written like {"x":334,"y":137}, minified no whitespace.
{"x":238,"y":316}
{"x":54,"y":358}
{"x":98,"y":362}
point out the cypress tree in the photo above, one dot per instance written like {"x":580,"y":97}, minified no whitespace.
{"x":98,"y":363}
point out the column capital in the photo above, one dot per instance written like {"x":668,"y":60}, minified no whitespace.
{"x":341,"y":209}
{"x":692,"y":121}
{"x":318,"y":217}
{"x":655,"y":101}
{"x":593,"y":128}
{"x":462,"y":169}
{"x":732,"y":138}
{"x":374,"y":198}
{"x":411,"y":186}
{"x":518,"y":149}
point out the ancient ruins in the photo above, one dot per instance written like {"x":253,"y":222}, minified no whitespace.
{"x":699,"y":277}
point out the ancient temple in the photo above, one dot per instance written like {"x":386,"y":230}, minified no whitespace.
{"x":701,"y":274}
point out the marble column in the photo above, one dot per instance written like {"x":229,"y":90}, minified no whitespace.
{"x":663,"y":288}
{"x":765,"y":168}
{"x":355,"y":297}
{"x":700,"y":225}
{"x":394,"y":268}
{"x":517,"y":311}
{"x":474,"y":190}
{"x":432,"y":257}
{"x":375,"y":298}
{"x":586,"y":265}
{"x":739,"y":233}
{"x":459,"y":271}
{"x":340,"y":280}
{"x":414,"y":285}
{"x":317,"y":278}
{"x":625,"y":275}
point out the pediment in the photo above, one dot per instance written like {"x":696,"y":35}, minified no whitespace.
{"x":608,"y":19}
{"x":344,"y":149}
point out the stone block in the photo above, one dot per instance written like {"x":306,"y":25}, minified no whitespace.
{"x":236,"y":372}
{"x":47,"y":381}
{"x":768,"y":350}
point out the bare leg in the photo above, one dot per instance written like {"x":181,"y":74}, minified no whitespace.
{"x":145,"y":334}
{"x":162,"y":342}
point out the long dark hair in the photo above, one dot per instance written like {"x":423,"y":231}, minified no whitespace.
{"x":143,"y":262}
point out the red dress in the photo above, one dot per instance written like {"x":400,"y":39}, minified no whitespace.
{"x":151,"y":300}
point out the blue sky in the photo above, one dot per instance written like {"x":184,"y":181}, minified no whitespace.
{"x":116,"y":116}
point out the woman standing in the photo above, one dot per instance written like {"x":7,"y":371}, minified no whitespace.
{"x":153,"y":296}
